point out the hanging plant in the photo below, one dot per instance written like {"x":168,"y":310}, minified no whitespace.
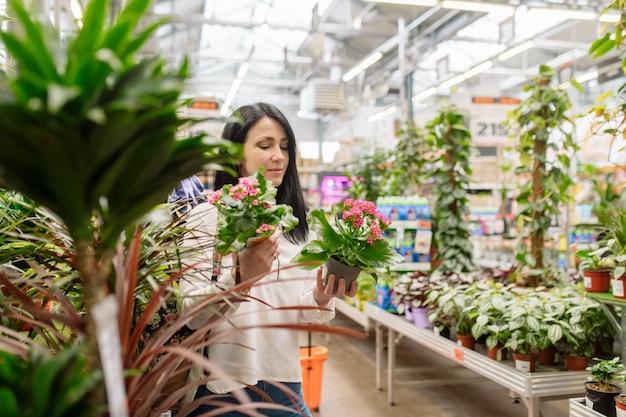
{"x":543,"y":134}
{"x":450,"y":141}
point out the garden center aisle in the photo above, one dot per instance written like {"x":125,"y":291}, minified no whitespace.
{"x":439,"y":388}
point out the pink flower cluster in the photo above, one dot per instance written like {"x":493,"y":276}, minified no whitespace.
{"x":246,"y":187}
{"x":265,"y":228}
{"x":361,"y":213}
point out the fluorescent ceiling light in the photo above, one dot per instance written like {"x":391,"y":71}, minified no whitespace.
{"x":478,"y":69}
{"x":424,"y":94}
{"x":243,"y":70}
{"x":587,"y":76}
{"x":366,"y":63}
{"x":77,"y":11}
{"x":564,"y":13}
{"x":233,"y":90}
{"x":609,"y":18}
{"x":518,"y":49}
{"x":477,"y":6}
{"x":428,"y":3}
{"x":387,"y":112}
{"x":452,"y":81}
{"x":567,"y":57}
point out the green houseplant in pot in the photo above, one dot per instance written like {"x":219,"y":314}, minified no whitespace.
{"x":601,"y":391}
{"x":453,"y":304}
{"x":492,"y":302}
{"x":524,"y":327}
{"x":596,"y":265}
{"x":349,"y":242}
{"x":613,"y":217}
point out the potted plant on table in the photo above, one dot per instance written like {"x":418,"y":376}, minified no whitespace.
{"x":600,"y":392}
{"x":524,"y":327}
{"x":596,"y":265}
{"x":349,"y":242}
{"x":584,"y":319}
{"x":410,"y":294}
{"x":492,"y":301}
{"x":454,"y":304}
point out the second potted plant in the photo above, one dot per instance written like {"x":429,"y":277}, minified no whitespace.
{"x":600,"y":392}
{"x":350,"y":242}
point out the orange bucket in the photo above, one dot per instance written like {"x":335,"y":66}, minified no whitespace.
{"x":312,"y":362}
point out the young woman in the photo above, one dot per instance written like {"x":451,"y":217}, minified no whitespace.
{"x":262,"y":361}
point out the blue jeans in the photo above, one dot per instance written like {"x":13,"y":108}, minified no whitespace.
{"x":277,"y":395}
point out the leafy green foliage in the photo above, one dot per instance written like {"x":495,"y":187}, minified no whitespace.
{"x":450,"y":139}
{"x":410,"y":161}
{"x":248,"y":210}
{"x":88,"y":130}
{"x":355,"y":240}
{"x":368,"y":176}
{"x":541,"y":126}
{"x":46,"y":385}
{"x":611,"y":119}
{"x":607,"y":370}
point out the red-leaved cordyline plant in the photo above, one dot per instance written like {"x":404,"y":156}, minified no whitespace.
{"x":354,"y":237}
{"x":146,"y":268}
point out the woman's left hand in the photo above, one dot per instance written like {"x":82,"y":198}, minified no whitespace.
{"x":323,"y":293}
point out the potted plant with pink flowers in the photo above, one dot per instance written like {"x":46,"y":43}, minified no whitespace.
{"x":247,"y":212}
{"x":349,"y":241}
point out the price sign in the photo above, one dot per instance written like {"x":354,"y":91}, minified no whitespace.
{"x":488,"y":129}
{"x":488,"y":115}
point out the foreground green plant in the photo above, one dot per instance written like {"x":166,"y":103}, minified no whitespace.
{"x":88,"y":130}
{"x":44,"y":385}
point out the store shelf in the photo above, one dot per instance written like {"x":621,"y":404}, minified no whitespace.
{"x":530,"y":386}
{"x":352,"y":313}
{"x":411,"y":266}
{"x":615,"y":310}
{"x":578,"y":408}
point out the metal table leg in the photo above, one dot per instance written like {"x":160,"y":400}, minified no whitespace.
{"x":391,"y":364}
{"x":379,"y":356}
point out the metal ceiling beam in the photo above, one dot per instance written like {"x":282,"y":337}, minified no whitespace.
{"x":263,"y":82}
{"x":330,"y":28}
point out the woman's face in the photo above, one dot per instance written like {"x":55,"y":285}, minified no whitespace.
{"x":265,"y":146}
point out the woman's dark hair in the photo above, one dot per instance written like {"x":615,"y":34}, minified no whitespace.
{"x":289,"y":191}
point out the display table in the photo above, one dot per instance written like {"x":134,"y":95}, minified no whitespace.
{"x":615,"y":310}
{"x":530,"y":387}
{"x":352,"y":313}
{"x":578,"y":408}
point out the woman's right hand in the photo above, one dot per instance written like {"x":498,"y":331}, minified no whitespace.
{"x":256,"y":260}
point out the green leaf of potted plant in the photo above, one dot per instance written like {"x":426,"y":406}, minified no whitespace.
{"x":596,"y":265}
{"x":524,"y":327}
{"x":492,"y":302}
{"x":353,"y":237}
{"x":601,"y":392}
{"x":248,"y":212}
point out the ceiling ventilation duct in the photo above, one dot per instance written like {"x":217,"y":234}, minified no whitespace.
{"x":321,"y":98}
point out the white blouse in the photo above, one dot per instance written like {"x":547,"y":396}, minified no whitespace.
{"x":243,"y":345}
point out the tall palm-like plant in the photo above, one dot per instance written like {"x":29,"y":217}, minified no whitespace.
{"x":88,"y":130}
